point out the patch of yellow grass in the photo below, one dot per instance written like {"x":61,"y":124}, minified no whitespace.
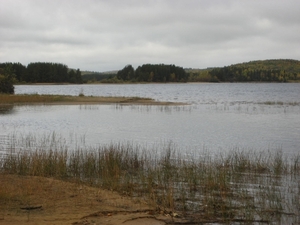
{"x":64,"y":99}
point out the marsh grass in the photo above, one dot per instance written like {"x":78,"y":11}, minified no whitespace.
{"x":33,"y":98}
{"x":239,"y":186}
{"x":80,"y":99}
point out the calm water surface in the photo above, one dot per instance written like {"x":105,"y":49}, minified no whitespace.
{"x":219,"y":117}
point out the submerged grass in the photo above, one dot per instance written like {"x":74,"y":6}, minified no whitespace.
{"x":240,"y":186}
{"x":280,"y":103}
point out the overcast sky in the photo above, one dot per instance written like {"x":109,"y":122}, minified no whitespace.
{"x":104,"y":35}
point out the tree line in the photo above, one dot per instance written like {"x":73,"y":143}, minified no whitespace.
{"x":97,"y":77}
{"x":281,"y":70}
{"x":153,"y":73}
{"x":43,"y":72}
{"x":277,"y":70}
{"x":235,"y":74}
{"x":274,"y":70}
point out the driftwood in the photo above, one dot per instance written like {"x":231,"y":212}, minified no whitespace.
{"x":32,"y":207}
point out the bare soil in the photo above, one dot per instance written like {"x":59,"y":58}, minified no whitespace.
{"x":39,"y":200}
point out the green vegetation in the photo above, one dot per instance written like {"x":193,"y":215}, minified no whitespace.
{"x":200,"y":75}
{"x":281,"y":70}
{"x":153,"y":73}
{"x":7,"y":79}
{"x":94,"y":77}
{"x":244,"y":187}
{"x":276,"y":70}
{"x":42,"y":72}
{"x":144,"y":73}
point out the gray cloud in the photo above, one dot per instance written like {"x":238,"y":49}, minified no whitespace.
{"x":107,"y":35}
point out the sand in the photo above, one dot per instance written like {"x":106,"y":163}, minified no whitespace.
{"x":39,"y":200}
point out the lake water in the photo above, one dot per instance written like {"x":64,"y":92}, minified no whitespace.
{"x":219,"y":117}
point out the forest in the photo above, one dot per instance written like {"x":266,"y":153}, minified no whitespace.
{"x":274,"y":70}
{"x":97,"y":77}
{"x":153,"y":73}
{"x":43,"y":72}
{"x":277,"y":70}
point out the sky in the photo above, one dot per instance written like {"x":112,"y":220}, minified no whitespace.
{"x":106,"y":35}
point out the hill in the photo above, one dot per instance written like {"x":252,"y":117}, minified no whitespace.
{"x":273,"y":70}
{"x":289,"y":65}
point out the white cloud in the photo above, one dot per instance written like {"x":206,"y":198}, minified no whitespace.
{"x":107,"y":35}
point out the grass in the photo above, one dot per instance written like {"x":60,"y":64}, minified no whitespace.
{"x":240,"y":186}
{"x":34,"y":98}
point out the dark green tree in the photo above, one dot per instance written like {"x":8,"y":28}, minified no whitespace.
{"x":127,"y":73}
{"x":160,"y":73}
{"x":46,"y":72}
{"x":18,"y":69}
{"x":75,"y":76}
{"x":78,"y":77}
{"x":7,"y":79}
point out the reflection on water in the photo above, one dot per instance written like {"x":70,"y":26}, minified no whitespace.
{"x":151,"y":108}
{"x":88,"y":107}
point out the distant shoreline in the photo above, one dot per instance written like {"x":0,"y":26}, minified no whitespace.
{"x":188,"y":82}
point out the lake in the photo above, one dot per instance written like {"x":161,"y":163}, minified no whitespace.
{"x":219,"y":117}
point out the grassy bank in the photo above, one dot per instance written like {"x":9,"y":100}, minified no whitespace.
{"x":240,"y":186}
{"x":81,"y":99}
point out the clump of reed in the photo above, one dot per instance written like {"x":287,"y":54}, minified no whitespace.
{"x":239,"y":186}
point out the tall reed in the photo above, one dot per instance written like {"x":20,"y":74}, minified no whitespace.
{"x":236,"y":186}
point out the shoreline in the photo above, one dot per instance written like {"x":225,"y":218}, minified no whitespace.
{"x":187,"y":82}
